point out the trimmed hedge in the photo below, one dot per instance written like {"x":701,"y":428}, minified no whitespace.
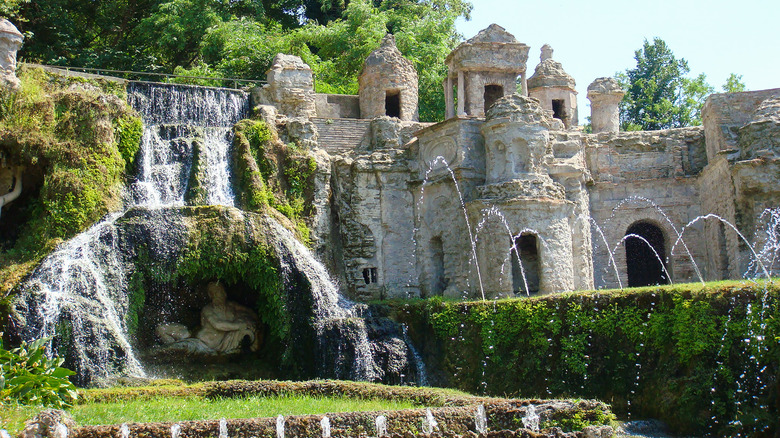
{"x":704,"y":361}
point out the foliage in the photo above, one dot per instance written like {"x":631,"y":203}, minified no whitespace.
{"x":659,"y":96}
{"x":734,"y":84}
{"x":28,"y":377}
{"x":216,"y":252}
{"x":74,"y":138}
{"x":273,"y":174}
{"x":239,"y":39}
{"x":677,"y":353}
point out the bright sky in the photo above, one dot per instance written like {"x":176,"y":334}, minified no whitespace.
{"x":594,"y":38}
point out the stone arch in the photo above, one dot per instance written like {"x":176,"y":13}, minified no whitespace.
{"x":526,"y":252}
{"x":643,"y":266}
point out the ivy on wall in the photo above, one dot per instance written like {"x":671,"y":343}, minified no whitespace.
{"x":697,"y":359}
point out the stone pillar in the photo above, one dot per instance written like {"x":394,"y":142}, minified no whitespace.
{"x":291,"y":86}
{"x":461,"y":95}
{"x":10,"y":42}
{"x":605,"y":95}
{"x":450,"y":110}
{"x":523,"y":83}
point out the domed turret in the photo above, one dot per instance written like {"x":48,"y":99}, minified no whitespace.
{"x":554,"y":88}
{"x":388,"y":84}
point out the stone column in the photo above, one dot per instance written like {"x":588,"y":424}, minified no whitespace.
{"x":10,"y":42}
{"x":450,"y":111}
{"x":523,"y":84}
{"x":605,"y":95}
{"x":461,"y":95}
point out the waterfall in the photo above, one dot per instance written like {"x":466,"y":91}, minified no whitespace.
{"x":180,"y":123}
{"x":79,"y":291}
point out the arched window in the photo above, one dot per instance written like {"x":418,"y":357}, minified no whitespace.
{"x":645,"y":265}
{"x":527,"y":254}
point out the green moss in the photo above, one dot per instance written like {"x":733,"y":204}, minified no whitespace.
{"x":74,"y":138}
{"x":272,"y":174}
{"x":686,"y":343}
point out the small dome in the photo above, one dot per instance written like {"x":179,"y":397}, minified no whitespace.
{"x":387,"y":54}
{"x":605,"y":86}
{"x":550,"y":73}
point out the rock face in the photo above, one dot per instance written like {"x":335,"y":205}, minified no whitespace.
{"x":761,"y":137}
{"x":10,"y":42}
{"x":388,"y":84}
{"x":605,"y":95}
{"x":49,"y":423}
{"x":554,"y":88}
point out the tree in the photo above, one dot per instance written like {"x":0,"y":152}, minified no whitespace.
{"x":659,"y":96}
{"x":734,"y":84}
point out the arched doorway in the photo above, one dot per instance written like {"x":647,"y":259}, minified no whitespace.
{"x":642,"y":263}
{"x":528,"y":254}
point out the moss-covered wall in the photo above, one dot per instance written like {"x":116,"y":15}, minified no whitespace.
{"x":269,"y":173}
{"x":75,"y":139}
{"x":696,"y":358}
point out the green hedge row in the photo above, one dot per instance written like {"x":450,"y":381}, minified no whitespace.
{"x":705,"y":360}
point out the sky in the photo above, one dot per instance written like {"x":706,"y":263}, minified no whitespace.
{"x":595,"y":38}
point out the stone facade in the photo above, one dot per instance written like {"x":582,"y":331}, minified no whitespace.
{"x":388,"y":84}
{"x":509,"y":200}
{"x":485,"y":68}
{"x":554,"y":88}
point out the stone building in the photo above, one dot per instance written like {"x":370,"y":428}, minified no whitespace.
{"x":388,"y":84}
{"x":510,"y":196}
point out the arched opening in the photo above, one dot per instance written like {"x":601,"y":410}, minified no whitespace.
{"x":393,"y":103}
{"x":642,"y":263}
{"x":438,"y":281}
{"x":527,"y":248}
{"x":492,"y":94}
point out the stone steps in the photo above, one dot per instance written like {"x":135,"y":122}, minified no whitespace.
{"x":340,"y":135}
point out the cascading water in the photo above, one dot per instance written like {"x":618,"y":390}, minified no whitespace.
{"x":179,"y":121}
{"x":80,"y":290}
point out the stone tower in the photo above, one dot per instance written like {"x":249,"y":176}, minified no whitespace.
{"x":605,"y":95}
{"x":485,"y":69}
{"x":388,"y":84}
{"x":10,"y":42}
{"x":290,"y":87}
{"x":554,"y":88}
{"x":537,"y":239}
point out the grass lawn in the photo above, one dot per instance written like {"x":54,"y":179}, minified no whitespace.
{"x":168,"y":408}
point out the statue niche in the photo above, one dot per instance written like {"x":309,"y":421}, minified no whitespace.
{"x":224,"y":325}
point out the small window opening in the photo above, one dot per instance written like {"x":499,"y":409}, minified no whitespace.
{"x":370,"y":275}
{"x":526,"y":265}
{"x":645,"y":265}
{"x":559,"y":111}
{"x":492,"y":94}
{"x":393,"y":103}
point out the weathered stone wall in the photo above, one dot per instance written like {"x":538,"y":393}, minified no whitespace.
{"x":718,"y":198}
{"x":724,"y":113}
{"x":474,"y":92}
{"x":337,"y":106}
{"x":546,"y":95}
{"x":645,"y":176}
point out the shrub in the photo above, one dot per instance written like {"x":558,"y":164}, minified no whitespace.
{"x":27,"y":376}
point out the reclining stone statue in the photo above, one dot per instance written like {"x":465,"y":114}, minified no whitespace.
{"x":224,"y":326}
